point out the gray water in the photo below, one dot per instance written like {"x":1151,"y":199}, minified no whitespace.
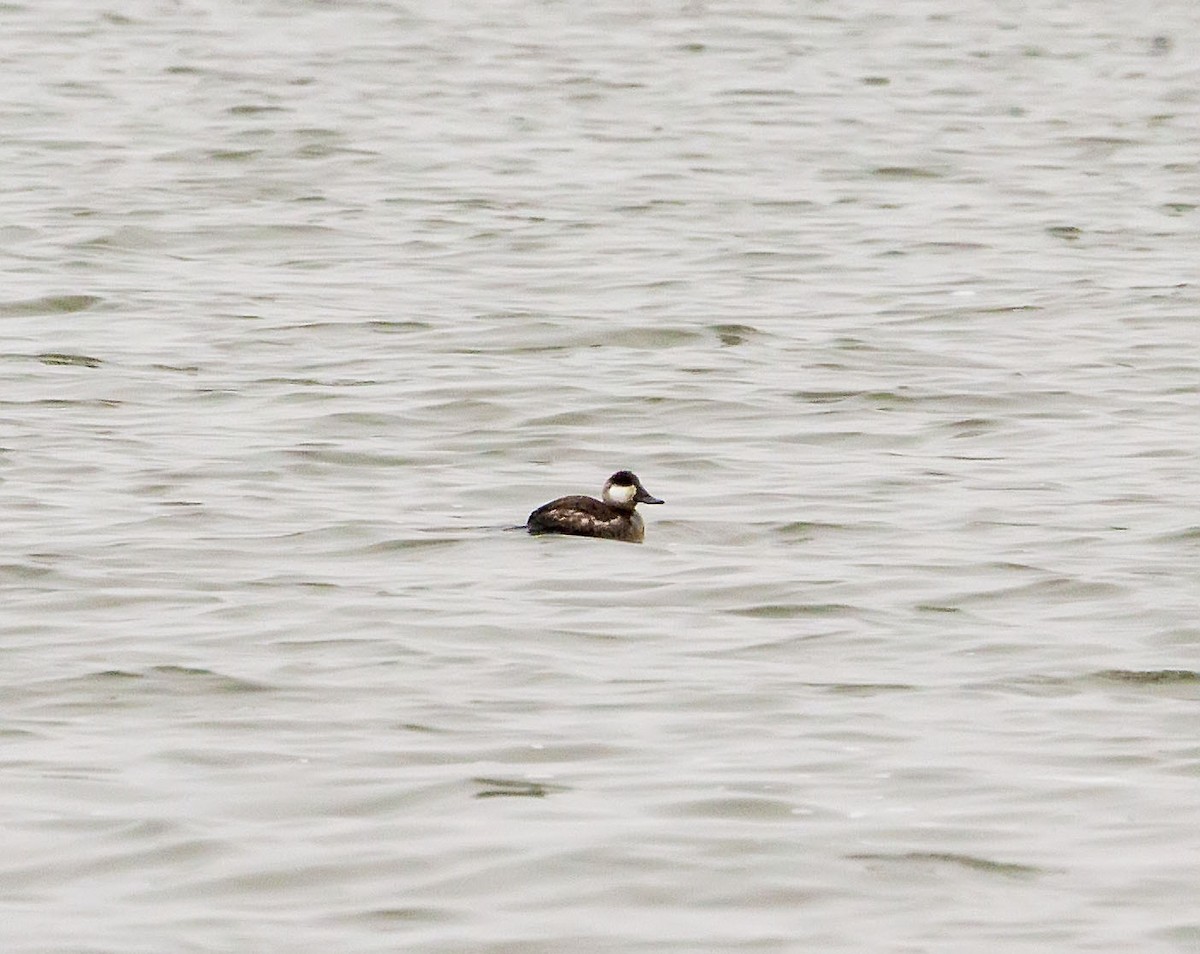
{"x":895,"y":305}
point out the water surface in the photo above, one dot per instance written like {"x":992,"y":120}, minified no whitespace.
{"x":306,"y":302}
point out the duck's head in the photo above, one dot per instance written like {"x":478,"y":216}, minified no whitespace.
{"x":624,"y":490}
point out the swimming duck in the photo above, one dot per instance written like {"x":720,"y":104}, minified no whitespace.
{"x":613,"y":517}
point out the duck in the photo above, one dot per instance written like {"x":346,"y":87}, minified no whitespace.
{"x":613,"y":517}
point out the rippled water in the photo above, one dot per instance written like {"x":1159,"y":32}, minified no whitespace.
{"x":306,"y":302}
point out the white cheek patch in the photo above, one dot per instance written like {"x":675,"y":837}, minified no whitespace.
{"x":619,"y":494}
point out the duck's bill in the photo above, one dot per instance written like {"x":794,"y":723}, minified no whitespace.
{"x":643,"y":497}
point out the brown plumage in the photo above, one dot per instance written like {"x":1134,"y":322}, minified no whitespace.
{"x":613,"y":518}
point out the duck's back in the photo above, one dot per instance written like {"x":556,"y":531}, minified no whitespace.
{"x":582,"y":516}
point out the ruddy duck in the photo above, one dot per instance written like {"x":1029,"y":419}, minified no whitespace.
{"x":613,"y":518}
